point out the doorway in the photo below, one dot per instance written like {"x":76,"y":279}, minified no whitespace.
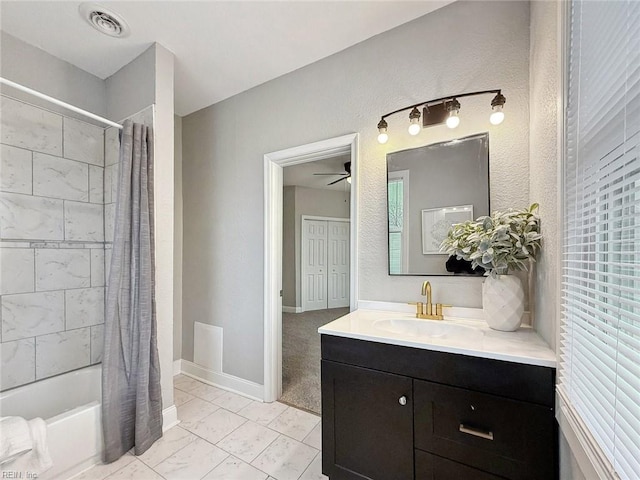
{"x":274,"y":163}
{"x":315,"y":269}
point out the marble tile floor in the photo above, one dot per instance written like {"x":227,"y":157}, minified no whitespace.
{"x":225,"y":436}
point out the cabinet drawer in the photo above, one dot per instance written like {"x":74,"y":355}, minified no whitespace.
{"x":510,"y":438}
{"x":432,"y":467}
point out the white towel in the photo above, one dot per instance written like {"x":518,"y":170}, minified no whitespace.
{"x":23,"y":445}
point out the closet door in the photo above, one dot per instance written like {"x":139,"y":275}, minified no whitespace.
{"x":314,"y":259}
{"x":338,"y":266}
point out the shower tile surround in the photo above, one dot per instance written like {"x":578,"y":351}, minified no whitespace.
{"x":53,"y":197}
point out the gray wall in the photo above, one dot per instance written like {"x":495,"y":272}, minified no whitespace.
{"x":133,"y":87}
{"x":34,"y":68}
{"x":177,"y":239}
{"x":347,"y":92}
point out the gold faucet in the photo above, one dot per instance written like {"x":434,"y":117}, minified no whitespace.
{"x":426,"y":290}
{"x":428,"y":310}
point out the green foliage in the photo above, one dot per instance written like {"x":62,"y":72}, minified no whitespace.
{"x":499,"y":243}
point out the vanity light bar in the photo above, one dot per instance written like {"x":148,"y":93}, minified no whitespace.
{"x":442,"y":110}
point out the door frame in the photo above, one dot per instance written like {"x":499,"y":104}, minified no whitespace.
{"x":302,"y":250}
{"x":274,"y":163}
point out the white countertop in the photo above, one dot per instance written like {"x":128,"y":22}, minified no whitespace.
{"x":465,"y":336}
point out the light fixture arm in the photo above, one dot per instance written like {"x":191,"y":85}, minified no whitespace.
{"x":440,"y":100}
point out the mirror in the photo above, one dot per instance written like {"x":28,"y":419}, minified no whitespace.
{"x":429,"y":189}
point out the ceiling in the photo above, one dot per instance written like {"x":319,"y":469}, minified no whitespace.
{"x":302,"y":175}
{"x":221,"y":47}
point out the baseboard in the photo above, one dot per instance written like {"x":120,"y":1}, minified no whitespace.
{"x":286,"y":309}
{"x":169,"y":418}
{"x":177,"y":367}
{"x":223,"y":380}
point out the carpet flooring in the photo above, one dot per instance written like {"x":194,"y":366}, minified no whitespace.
{"x":301,"y":356}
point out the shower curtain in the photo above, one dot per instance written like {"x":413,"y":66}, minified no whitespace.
{"x":131,"y":395}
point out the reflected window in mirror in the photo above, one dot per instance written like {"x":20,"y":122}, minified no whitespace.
{"x":429,"y":189}
{"x":398,"y":209}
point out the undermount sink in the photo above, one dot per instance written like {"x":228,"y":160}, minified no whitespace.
{"x":427,"y":328}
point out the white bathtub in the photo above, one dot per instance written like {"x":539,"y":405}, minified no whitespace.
{"x":70,"y":404}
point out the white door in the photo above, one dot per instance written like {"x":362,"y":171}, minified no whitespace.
{"x":314,"y":282}
{"x":338,"y":264}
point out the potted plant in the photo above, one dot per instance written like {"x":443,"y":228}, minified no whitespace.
{"x":500,"y":243}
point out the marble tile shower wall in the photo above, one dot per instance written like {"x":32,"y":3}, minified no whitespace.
{"x":54,"y":182}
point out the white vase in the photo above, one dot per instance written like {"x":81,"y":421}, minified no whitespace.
{"x":503,"y":302}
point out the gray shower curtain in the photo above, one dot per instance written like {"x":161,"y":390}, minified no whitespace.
{"x":131,"y":395}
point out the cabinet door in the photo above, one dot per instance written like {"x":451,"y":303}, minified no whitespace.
{"x":367,"y":430}
{"x":432,"y":467}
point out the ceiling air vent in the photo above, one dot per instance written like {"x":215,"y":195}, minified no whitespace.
{"x":104,"y":20}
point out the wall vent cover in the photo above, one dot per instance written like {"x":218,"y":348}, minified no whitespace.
{"x":104,"y":20}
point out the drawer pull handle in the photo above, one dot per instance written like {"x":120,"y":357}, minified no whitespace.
{"x":402,"y":400}
{"x":475,"y":432}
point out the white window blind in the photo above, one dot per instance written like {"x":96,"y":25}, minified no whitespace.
{"x":599,"y":370}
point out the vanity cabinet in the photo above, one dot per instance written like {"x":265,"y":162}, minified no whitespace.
{"x":393,"y":413}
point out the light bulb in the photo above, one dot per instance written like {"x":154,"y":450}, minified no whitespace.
{"x":453,"y":107}
{"x":453,"y":121}
{"x":497,"y":116}
{"x":414,"y":121}
{"x":382,"y":130}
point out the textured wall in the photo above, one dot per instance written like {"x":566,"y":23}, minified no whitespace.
{"x":487,"y":46}
{"x":543,"y":161}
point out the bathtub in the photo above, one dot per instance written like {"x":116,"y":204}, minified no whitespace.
{"x":70,"y":404}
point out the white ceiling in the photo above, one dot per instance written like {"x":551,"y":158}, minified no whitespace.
{"x":302,"y":175}
{"x":221,"y":47}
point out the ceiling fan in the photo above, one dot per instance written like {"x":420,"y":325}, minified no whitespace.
{"x":343,"y":175}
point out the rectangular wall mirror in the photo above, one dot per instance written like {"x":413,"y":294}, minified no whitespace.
{"x":429,"y":189}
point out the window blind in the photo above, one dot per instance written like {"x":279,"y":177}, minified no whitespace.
{"x":599,"y":367}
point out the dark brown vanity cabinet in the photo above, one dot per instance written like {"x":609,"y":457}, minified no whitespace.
{"x":400,"y":413}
